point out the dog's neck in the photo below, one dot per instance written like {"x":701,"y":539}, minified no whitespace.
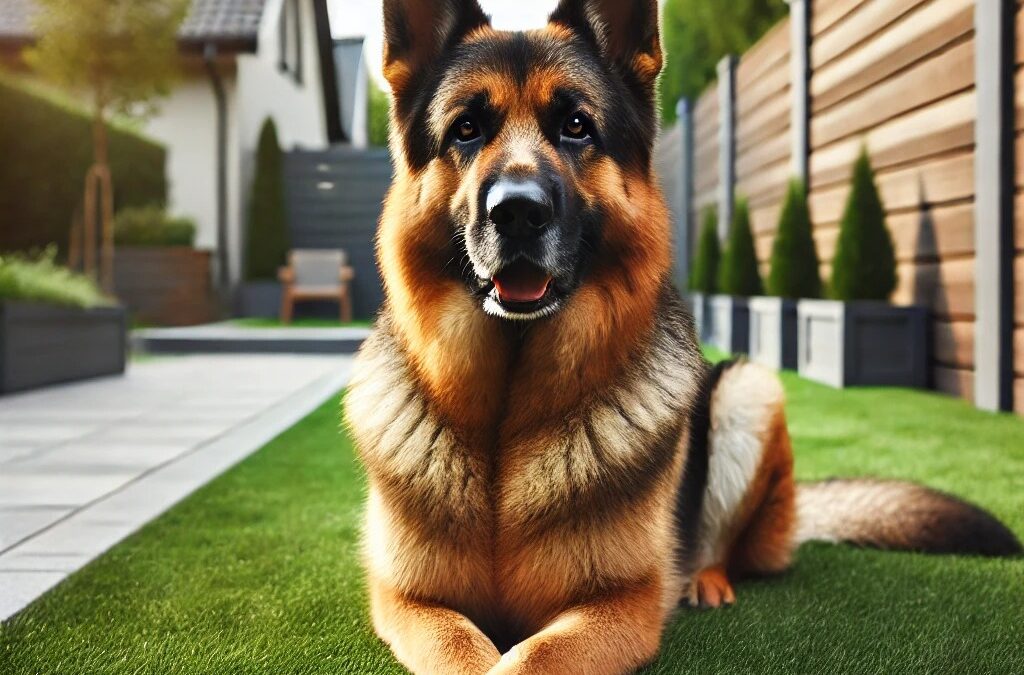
{"x":480,"y":372}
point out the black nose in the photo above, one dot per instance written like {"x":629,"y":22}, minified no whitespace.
{"x":519,"y":208}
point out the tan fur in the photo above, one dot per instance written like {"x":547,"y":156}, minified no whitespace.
{"x":524,"y":484}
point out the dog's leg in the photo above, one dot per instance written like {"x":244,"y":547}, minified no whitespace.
{"x":430,"y":639}
{"x":616,"y":634}
{"x":749,"y":511}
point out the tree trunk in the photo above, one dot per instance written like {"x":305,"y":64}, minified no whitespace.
{"x":99,"y":179}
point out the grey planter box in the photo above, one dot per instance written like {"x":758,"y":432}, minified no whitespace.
{"x":773,"y":332}
{"x":259,"y":299}
{"x":47,"y":344}
{"x":849,"y":344}
{"x":701,"y":315}
{"x":730,"y":323}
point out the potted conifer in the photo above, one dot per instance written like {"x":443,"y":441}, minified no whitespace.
{"x":858,"y":338}
{"x":794,"y":275}
{"x":267,"y":240}
{"x":704,"y":275}
{"x":738,"y":281}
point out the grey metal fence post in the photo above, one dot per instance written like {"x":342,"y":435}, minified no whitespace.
{"x":726,"y":143}
{"x":684,"y":235}
{"x":993,"y":207}
{"x":799,"y":60}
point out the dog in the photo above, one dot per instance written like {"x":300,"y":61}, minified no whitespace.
{"x":553,"y":466}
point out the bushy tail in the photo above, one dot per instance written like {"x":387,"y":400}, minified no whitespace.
{"x":898,"y":516}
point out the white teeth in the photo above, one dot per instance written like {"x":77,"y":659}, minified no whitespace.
{"x":494,"y":307}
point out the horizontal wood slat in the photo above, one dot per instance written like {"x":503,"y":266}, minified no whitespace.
{"x":859,"y":27}
{"x":826,"y":14}
{"x":954,"y":343}
{"x":940,"y":128}
{"x":911,"y":39}
{"x":954,"y":381}
{"x":930,"y":81}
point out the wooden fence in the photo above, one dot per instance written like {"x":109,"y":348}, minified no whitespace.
{"x":899,"y":77}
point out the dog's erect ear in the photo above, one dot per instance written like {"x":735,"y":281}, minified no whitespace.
{"x":416,"y":33}
{"x":626,"y":32}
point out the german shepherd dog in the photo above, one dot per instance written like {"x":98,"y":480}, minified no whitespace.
{"x":553,"y":466}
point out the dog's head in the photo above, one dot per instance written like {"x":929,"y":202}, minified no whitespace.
{"x":526,"y":145}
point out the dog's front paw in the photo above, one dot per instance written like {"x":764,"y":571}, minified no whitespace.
{"x":710,"y":589}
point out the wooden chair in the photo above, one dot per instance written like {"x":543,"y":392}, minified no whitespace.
{"x":316,"y":275}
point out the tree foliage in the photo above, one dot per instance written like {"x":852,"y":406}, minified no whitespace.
{"x":122,"y":51}
{"x":267,"y":243}
{"x":864,"y":267}
{"x":698,"y":33}
{"x":379,"y":115}
{"x":704,"y":275}
{"x":794,"y":266}
{"x":738,"y":274}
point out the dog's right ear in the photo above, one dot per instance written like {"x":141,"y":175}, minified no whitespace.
{"x":417,"y":32}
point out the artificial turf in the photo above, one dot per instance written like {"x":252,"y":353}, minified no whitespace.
{"x":258,"y":572}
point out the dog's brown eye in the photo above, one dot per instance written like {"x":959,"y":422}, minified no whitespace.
{"x":466,"y":130}
{"x":576,"y":127}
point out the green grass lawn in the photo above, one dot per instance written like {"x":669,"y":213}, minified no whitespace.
{"x":258,"y":571}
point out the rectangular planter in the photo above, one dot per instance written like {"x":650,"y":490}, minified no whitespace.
{"x":259,"y":299}
{"x":773,"y":332}
{"x":698,"y":303}
{"x":863,"y":344}
{"x":165,"y":285}
{"x":46,"y":344}
{"x":730,"y":323}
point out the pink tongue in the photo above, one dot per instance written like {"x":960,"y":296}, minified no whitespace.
{"x":522,"y":282}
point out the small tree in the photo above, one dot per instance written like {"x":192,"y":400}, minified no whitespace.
{"x":794,"y":266}
{"x":379,"y":113}
{"x":704,"y":275}
{"x":738,"y":274}
{"x":864,"y":267}
{"x":123,"y":52}
{"x":267,"y":243}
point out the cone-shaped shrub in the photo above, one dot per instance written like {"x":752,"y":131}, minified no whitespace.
{"x":267,"y":244}
{"x":794,"y":265}
{"x":738,"y":274}
{"x":704,"y":276}
{"x":864,"y":267}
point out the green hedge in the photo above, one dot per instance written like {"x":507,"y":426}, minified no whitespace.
{"x":864,"y":267}
{"x":738,"y":273}
{"x":704,"y":276}
{"x":46,"y":150}
{"x":795,"y":269}
{"x":151,"y":226}
{"x":267,"y":241}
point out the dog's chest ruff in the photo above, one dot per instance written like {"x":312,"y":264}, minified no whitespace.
{"x":544,"y":517}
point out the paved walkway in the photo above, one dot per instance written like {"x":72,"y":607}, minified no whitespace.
{"x":84,"y":465}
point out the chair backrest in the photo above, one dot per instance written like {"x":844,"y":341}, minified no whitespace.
{"x":317,"y":267}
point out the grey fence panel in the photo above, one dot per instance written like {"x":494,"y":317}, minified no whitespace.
{"x":335,"y":199}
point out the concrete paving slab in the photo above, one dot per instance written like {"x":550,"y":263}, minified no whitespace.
{"x":165,"y":429}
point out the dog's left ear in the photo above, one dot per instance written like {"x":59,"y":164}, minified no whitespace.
{"x":626,"y":32}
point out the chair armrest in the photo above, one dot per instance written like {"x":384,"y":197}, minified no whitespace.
{"x":346,"y":274}
{"x":286,"y":275}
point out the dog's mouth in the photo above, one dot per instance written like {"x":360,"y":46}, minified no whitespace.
{"x":521,"y":291}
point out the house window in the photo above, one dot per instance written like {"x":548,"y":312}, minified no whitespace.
{"x":290,"y":39}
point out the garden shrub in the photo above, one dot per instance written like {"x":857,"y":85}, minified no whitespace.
{"x":47,"y":149}
{"x":795,"y":269}
{"x":41,"y":279}
{"x":151,"y":226}
{"x":864,"y":267}
{"x":267,"y":243}
{"x":738,"y":273}
{"x":704,"y":275}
